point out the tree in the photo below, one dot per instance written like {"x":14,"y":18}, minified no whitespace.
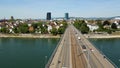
{"x":109,"y":31}
{"x":106,"y":23}
{"x":78,"y":23}
{"x":99,"y":23}
{"x":61,"y":30}
{"x":34,"y":25}
{"x":40,"y":24}
{"x":23,"y":28}
{"x":16,"y":30}
{"x":4,"y":30}
{"x":64,"y":24}
{"x":114,"y":26}
{"x":44,"y":30}
{"x":84,"y":28}
{"x":54,"y":31}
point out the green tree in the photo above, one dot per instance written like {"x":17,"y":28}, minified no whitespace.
{"x":4,"y":30}
{"x":43,"y":29}
{"x":34,"y":25}
{"x":100,"y":25}
{"x":23,"y":28}
{"x":61,"y":30}
{"x":84,"y":28}
{"x":78,"y":23}
{"x":16,"y":30}
{"x":109,"y":31}
{"x":64,"y":24}
{"x":40,"y":24}
{"x":114,"y":26}
{"x":54,"y":31}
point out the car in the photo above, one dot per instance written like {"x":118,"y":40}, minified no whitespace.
{"x":91,"y":49}
{"x":79,"y":38}
{"x":84,"y":48}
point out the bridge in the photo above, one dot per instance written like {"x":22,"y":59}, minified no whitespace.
{"x":75,"y":51}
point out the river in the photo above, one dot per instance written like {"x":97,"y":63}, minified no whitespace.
{"x":25,"y":52}
{"x":110,"y":47}
{"x":34,"y":53}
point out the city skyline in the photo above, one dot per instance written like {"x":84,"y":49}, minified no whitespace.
{"x":76,"y":8}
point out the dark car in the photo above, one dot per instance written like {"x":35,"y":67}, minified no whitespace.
{"x":84,"y":47}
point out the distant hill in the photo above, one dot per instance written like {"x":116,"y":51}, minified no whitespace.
{"x":116,"y":17}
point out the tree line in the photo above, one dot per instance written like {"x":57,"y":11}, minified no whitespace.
{"x":81,"y":26}
{"x":104,"y":26}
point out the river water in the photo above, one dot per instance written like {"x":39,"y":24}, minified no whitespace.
{"x":34,"y":53}
{"x":25,"y":52}
{"x":110,"y":47}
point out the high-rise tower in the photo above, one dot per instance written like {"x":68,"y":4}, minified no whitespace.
{"x":48,"y":16}
{"x":66,"y":16}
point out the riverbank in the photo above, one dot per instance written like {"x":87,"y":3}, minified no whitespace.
{"x":101,"y":36}
{"x":28,"y":36}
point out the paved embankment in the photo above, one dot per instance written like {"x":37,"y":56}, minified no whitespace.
{"x":101,"y":36}
{"x":28,"y":36}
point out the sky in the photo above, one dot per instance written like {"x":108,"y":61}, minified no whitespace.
{"x":37,"y":9}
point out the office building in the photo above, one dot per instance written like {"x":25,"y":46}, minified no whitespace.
{"x":48,"y":16}
{"x":66,"y":16}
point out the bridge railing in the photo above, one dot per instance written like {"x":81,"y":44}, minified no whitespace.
{"x":53,"y":54}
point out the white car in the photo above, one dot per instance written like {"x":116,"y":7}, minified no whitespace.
{"x":79,"y":38}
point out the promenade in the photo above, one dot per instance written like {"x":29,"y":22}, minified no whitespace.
{"x":28,"y":36}
{"x":101,"y":36}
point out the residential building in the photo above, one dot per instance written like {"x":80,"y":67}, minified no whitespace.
{"x":92,"y":27}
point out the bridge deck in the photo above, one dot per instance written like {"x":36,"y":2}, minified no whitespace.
{"x":78,"y":59}
{"x":70,"y":53}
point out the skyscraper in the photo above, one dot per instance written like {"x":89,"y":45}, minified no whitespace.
{"x":66,"y":16}
{"x":48,"y":16}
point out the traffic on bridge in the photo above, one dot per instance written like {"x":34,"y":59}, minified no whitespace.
{"x":75,"y":51}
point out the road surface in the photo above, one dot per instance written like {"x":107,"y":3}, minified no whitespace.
{"x":74,"y":52}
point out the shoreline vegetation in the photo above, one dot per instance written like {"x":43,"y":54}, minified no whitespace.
{"x":101,"y":36}
{"x":29,"y":36}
